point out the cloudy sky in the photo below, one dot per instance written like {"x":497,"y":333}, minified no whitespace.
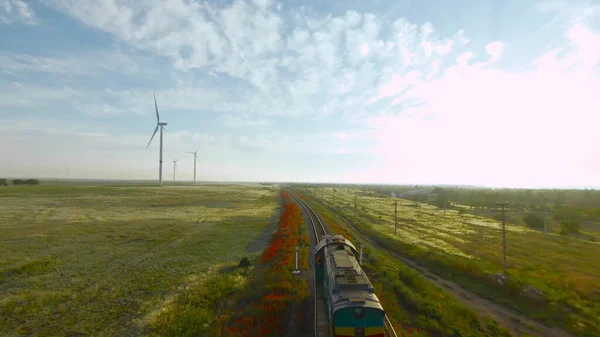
{"x":494,"y":93}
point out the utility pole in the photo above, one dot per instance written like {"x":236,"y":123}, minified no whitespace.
{"x":545,"y":216}
{"x":333,"y":197}
{"x":503,"y":204}
{"x":444,"y":198}
{"x":395,"y":216}
{"x":354,"y":203}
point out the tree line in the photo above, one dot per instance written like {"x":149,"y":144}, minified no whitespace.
{"x":4,"y":182}
{"x":568,"y":209}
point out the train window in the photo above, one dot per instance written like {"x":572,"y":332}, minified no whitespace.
{"x":339,"y":247}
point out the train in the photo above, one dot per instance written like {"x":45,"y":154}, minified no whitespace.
{"x":353,"y":308}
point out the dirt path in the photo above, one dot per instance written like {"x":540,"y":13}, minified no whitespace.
{"x":515,"y":322}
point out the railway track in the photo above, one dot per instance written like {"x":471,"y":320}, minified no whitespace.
{"x":320,"y":229}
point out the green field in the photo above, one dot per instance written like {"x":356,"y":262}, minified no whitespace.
{"x":409,"y":300}
{"x":468,"y":249}
{"x":106,"y":261}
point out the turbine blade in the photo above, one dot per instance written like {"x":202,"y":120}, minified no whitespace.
{"x":156,"y":107}
{"x":154,"y":134}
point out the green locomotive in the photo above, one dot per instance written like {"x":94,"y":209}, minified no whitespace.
{"x":353,"y":308}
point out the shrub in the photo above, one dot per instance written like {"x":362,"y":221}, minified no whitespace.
{"x":533,"y":220}
{"x":244,"y":263}
{"x":569,"y":226}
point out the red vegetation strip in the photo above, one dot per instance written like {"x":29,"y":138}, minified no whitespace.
{"x":268,"y":315}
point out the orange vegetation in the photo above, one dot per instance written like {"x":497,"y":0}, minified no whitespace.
{"x":276,"y":289}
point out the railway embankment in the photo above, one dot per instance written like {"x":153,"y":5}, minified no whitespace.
{"x":273,"y":300}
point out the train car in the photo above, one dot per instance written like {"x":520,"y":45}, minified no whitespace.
{"x":353,"y":308}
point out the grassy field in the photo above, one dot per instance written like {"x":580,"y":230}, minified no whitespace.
{"x":107,"y":261}
{"x":468,"y":249}
{"x":416,"y":307}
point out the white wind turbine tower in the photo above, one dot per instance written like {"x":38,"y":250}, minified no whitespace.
{"x":174,"y":167}
{"x":162,"y":127}
{"x":195,"y":156}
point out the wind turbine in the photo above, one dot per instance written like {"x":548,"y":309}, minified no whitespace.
{"x":162,"y":127}
{"x":174,"y":167}
{"x":195,"y":156}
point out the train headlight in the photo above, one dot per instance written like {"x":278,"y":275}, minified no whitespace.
{"x":358,"y":312}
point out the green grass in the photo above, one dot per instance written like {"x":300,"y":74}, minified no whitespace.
{"x":409,"y":299}
{"x":104,"y":260}
{"x":193,"y":310}
{"x":468,"y":249}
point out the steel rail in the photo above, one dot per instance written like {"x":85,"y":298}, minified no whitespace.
{"x":313,"y":215}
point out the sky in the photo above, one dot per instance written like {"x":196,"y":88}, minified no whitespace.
{"x":490,"y":93}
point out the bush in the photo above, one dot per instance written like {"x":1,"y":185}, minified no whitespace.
{"x":244,"y":263}
{"x":569,"y":226}
{"x":24,"y":182}
{"x":533,"y":220}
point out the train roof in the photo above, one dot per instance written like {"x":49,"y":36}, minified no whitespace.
{"x":334,"y":239}
{"x":354,"y":298}
{"x":346,"y":268}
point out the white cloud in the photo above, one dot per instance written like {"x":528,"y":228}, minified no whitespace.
{"x":326,"y":64}
{"x":27,"y":95}
{"x":445,"y":47}
{"x":461,"y":37}
{"x":535,"y":128}
{"x":12,"y":11}
{"x":342,"y":136}
{"x":397,"y":85}
{"x":428,"y":98}
{"x":435,"y":67}
{"x":588,"y":46}
{"x":244,"y":121}
{"x":495,"y":50}
{"x":263,"y":4}
{"x":364,"y":49}
{"x":78,"y":63}
{"x":464,"y":58}
{"x":109,"y":102}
